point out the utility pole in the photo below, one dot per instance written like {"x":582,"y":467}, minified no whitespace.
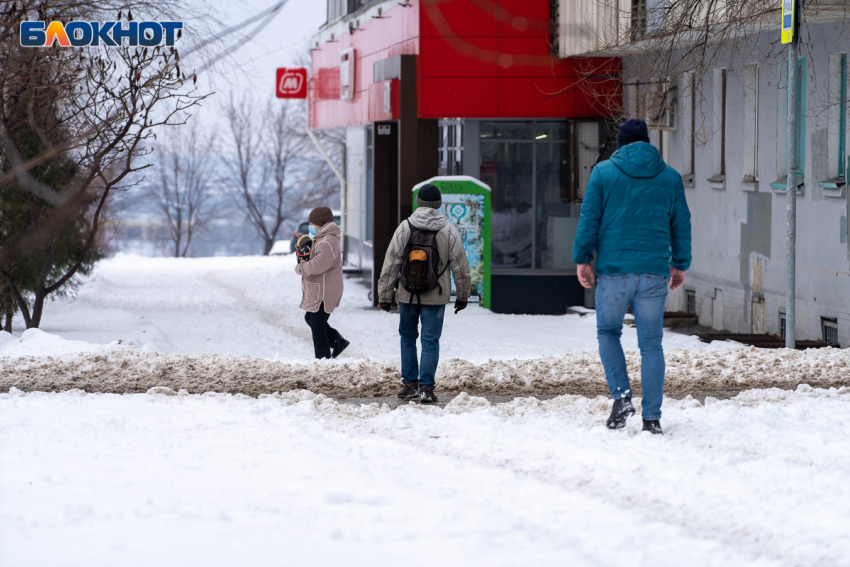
{"x":790,"y":29}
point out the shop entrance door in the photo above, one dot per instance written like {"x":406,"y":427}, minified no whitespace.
{"x":385,"y":195}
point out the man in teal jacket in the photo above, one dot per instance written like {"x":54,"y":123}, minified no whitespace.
{"x":634,"y":215}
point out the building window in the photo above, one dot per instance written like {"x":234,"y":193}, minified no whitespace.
{"x":782,"y":123}
{"x":830,"y":330}
{"x":638,"y":29}
{"x":718,"y":135}
{"x":689,"y":117}
{"x":801,"y":116}
{"x":653,"y":101}
{"x":336,"y":9}
{"x":751,"y":122}
{"x":837,"y":116}
{"x":691,"y":302}
{"x":537,"y":171}
{"x":451,"y":147}
{"x":782,"y":325}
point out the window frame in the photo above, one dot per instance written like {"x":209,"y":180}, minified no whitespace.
{"x":720,"y":83}
{"x":832,"y":324}
{"x":639,"y":14}
{"x":450,"y":146}
{"x":689,"y":128}
{"x":836,"y":133}
{"x":781,"y":182}
{"x":751,"y":122}
{"x":690,"y":294}
{"x":801,"y":116}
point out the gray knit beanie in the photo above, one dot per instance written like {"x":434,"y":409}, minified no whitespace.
{"x":429,"y":196}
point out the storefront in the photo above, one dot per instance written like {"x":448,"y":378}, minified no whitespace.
{"x":466,"y":92}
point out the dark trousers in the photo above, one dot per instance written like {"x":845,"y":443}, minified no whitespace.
{"x":324,"y":336}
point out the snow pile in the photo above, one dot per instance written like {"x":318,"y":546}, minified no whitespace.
{"x":300,"y":479}
{"x":35,"y":342}
{"x":121,"y":369}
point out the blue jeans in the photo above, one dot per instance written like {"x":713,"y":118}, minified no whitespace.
{"x":408,"y":327}
{"x":646,"y":294}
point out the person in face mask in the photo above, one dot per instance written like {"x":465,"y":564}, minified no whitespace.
{"x":321,"y":283}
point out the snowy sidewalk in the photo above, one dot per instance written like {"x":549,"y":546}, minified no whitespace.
{"x":248,"y":306}
{"x":144,"y":480}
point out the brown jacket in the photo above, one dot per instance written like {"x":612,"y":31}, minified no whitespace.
{"x":321,"y":276}
{"x":451,"y":250}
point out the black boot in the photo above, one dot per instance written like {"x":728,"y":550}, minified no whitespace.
{"x":340,"y":346}
{"x":622,"y":410}
{"x":653,"y":426}
{"x":409,"y":391}
{"x":427,"y":396}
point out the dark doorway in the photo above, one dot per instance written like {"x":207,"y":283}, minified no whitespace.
{"x":385,"y":200}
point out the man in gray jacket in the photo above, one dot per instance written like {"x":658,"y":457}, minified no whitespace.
{"x":429,"y":307}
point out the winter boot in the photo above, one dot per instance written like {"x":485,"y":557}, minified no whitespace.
{"x":653,"y":426}
{"x":340,"y":346}
{"x":427,"y":396}
{"x":622,"y":410}
{"x":409,"y":391}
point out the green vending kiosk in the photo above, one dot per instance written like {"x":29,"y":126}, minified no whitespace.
{"x":466,"y":202}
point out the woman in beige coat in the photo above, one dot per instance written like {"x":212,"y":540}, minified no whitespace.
{"x":321,"y":283}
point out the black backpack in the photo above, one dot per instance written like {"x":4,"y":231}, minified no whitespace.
{"x":421,"y":263}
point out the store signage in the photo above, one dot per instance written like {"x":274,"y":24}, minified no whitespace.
{"x":788,"y":16}
{"x":291,"y":83}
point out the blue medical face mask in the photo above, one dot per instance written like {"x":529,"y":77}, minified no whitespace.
{"x":312,"y":231}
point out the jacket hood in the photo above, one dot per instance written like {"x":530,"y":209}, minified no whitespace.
{"x":639,"y":160}
{"x":427,"y":218}
{"x":330,"y":229}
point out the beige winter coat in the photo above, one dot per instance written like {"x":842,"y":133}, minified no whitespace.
{"x":450,"y":247}
{"x":321,"y":276}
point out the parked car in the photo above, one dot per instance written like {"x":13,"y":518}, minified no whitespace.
{"x":304,"y":228}
{"x":280,"y":248}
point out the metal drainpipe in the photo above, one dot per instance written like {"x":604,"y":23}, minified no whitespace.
{"x":336,"y":171}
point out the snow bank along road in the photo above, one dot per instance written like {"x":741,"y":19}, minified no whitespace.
{"x":122,"y":369}
{"x":299,"y":479}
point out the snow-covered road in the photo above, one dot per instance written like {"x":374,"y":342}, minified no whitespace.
{"x":144,"y":480}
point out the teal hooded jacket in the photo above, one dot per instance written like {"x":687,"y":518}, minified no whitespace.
{"x":634,"y":215}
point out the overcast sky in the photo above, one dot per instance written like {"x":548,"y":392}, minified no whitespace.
{"x":251,"y":68}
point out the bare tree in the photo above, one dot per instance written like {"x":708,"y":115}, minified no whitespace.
{"x":183,"y":189}
{"x":74,"y":125}
{"x":268,"y":148}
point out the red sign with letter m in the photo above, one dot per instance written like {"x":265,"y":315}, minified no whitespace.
{"x":291,"y":83}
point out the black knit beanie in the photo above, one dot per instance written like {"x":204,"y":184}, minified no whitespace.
{"x":429,"y":196}
{"x":632,"y":130}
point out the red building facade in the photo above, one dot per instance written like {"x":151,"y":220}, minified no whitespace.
{"x":472,"y":87}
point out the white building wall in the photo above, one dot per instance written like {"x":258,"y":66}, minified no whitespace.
{"x":739,"y":227}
